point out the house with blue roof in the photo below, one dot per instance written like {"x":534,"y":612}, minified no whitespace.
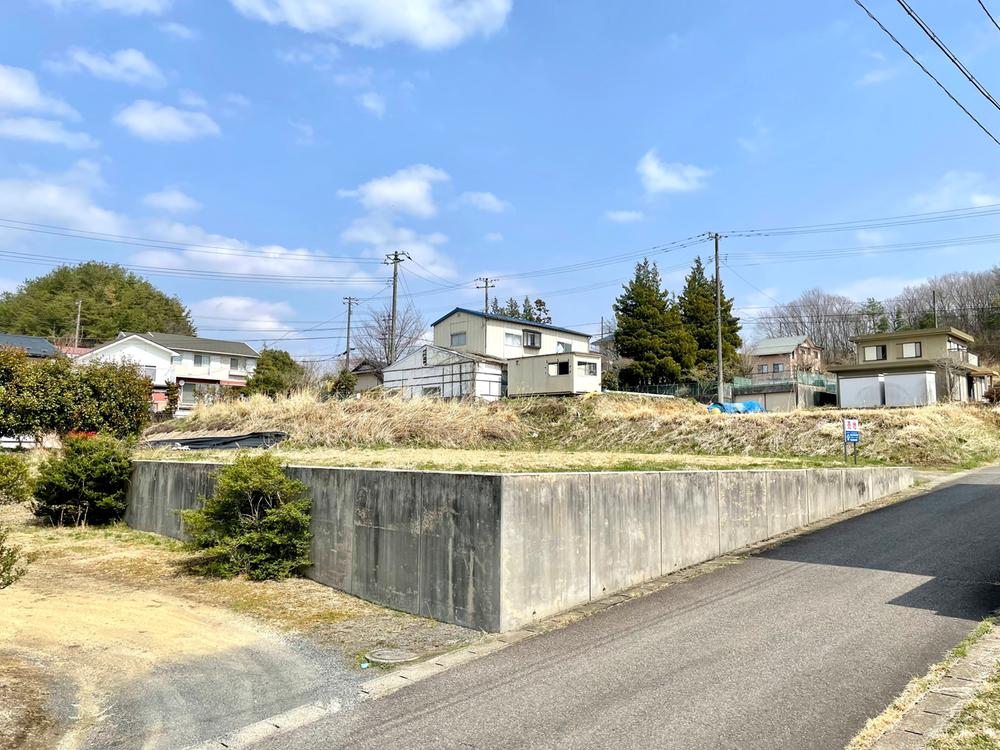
{"x":482,"y":355}
{"x":34,"y":346}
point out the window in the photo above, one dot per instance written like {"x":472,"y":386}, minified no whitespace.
{"x":199,"y":360}
{"x":176,"y":360}
{"x":763,"y":369}
{"x":458,"y":339}
{"x":910,"y":350}
{"x":150,"y":371}
{"x":234,"y":363}
{"x":874,"y":353}
{"x":778,"y":367}
{"x":431,"y":391}
{"x":562,"y":347}
{"x":532,"y":340}
{"x":559,"y":368}
{"x":586,"y":368}
{"x":512,"y":339}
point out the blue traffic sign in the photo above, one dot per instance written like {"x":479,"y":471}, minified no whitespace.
{"x":852,"y":436}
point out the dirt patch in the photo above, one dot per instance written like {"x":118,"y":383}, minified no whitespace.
{"x":106,"y":609}
{"x":25,"y":724}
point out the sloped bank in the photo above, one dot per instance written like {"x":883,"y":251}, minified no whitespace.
{"x":497,"y":551}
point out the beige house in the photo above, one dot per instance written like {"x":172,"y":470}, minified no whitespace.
{"x":489,"y":356}
{"x":911,"y":368}
{"x":778,"y":358}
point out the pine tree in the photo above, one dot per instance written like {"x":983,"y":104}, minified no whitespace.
{"x":697,"y":309}
{"x":650,"y":331}
{"x":875,"y":316}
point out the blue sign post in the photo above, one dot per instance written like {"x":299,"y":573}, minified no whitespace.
{"x":852,"y":436}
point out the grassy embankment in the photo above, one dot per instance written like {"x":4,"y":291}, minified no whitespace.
{"x":600,"y":432}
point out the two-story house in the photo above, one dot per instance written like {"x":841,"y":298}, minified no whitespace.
{"x":489,"y":356}
{"x":199,"y":366}
{"x":780,"y":358}
{"x":911,"y":368}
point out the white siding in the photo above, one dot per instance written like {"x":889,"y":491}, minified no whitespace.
{"x":538,"y":376}
{"x":135,"y":351}
{"x":433,"y":372}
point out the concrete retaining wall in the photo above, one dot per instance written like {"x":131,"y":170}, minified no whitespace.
{"x":495,"y":552}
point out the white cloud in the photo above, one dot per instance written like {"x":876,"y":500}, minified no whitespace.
{"x":128,"y":7}
{"x":236,"y":100}
{"x":374,"y":103}
{"x":171,"y":200}
{"x":245,"y":313}
{"x":624,"y":217}
{"x":383,"y":236}
{"x":191,"y":99}
{"x":756,"y":142}
{"x":153,"y":121}
{"x":484,"y":202}
{"x":494,"y":237}
{"x":319,"y":56}
{"x":658,"y":177}
{"x":408,"y":191}
{"x":429,"y":24}
{"x":306,"y":133}
{"x":879,"y":287}
{"x":178,"y":31}
{"x":124,"y":66}
{"x":19,"y":91}
{"x":44,"y":131}
{"x":958,"y":189}
{"x":871,"y":237}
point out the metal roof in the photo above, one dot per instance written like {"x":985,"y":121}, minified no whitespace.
{"x":35,"y":346}
{"x":506,"y":319}
{"x":177,"y":342}
{"x":778,"y":345}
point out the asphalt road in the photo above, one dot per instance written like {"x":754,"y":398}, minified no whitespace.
{"x":794,"y":648}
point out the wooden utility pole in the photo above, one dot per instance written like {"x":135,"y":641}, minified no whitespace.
{"x":934,"y":306}
{"x":486,"y":292}
{"x":350,"y":302}
{"x":395,"y":258}
{"x":718,"y":320}
{"x":76,"y":338}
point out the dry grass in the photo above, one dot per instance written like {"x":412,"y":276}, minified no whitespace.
{"x":977,"y":725}
{"x":945,"y":435}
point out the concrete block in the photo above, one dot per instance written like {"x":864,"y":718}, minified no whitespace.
{"x":624,"y":529}
{"x":459,"y":565}
{"x":857,"y":487}
{"x":333,"y":493}
{"x":742,"y":508}
{"x":544,"y":546}
{"x":159,"y":490}
{"x":787,"y":500}
{"x":385,"y":560}
{"x":826,"y":493}
{"x":689,"y":518}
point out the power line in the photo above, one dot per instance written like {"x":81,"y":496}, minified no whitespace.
{"x":948,"y":53}
{"x":989,"y":15}
{"x":929,"y":74}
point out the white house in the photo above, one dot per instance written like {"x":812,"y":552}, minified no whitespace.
{"x":198,"y":366}
{"x":489,"y":356}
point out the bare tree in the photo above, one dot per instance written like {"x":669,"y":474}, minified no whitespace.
{"x":372,"y":341}
{"x":830,"y":320}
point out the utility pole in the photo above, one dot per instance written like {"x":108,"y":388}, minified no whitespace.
{"x":395,"y":258}
{"x":934,"y":306}
{"x":486,"y":292}
{"x":718,"y":319}
{"x":76,"y":338}
{"x":350,"y":302}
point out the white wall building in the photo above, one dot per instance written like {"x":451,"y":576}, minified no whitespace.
{"x":434,"y":372}
{"x":199,"y":366}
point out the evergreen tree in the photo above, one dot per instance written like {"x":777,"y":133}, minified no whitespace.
{"x":649,"y":330}
{"x":276,"y":374}
{"x":113,"y":298}
{"x":875,"y":316}
{"x":537,"y":311}
{"x":697,"y":309}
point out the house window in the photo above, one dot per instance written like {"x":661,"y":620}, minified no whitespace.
{"x":458,"y":339}
{"x":431,"y":391}
{"x":910,"y":350}
{"x":512,"y":339}
{"x":150,"y":371}
{"x":875,"y":353}
{"x":586,"y":368}
{"x":763,"y":369}
{"x":176,"y":360}
{"x":559,"y":368}
{"x":234,"y":363}
{"x":562,"y":347}
{"x":423,"y":357}
{"x":779,"y":367}
{"x":532,"y":340}
{"x":199,"y":360}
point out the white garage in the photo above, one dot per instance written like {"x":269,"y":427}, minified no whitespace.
{"x":861,"y":392}
{"x":910,"y":388}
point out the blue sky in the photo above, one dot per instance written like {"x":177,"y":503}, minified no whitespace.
{"x":297,"y":141}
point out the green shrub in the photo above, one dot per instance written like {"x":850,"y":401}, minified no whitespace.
{"x":11,"y":561}
{"x":341,"y":386}
{"x":15,"y":479}
{"x":256,"y":523}
{"x":85,"y":482}
{"x":111,"y":398}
